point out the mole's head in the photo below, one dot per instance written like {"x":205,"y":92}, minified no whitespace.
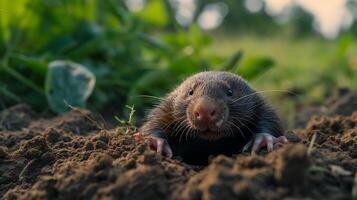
{"x":212,"y":105}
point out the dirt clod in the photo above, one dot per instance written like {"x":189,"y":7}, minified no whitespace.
{"x":292,"y":165}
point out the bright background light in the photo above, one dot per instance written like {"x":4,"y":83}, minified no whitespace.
{"x":330,"y":16}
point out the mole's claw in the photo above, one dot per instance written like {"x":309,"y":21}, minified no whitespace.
{"x":138,"y":137}
{"x":281,"y":140}
{"x":258,"y":141}
{"x":270,"y":145}
{"x":160,"y":146}
{"x":168,"y":151}
{"x":261,"y":140}
{"x":247,"y":146}
{"x":266,"y":140}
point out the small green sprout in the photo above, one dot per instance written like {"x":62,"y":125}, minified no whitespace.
{"x":125,"y":126}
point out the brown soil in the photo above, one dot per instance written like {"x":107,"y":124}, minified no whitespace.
{"x":68,"y":157}
{"x":343,"y":103}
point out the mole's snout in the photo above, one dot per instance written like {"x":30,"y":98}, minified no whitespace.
{"x":205,"y":112}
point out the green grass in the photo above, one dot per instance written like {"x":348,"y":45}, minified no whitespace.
{"x":299,"y":63}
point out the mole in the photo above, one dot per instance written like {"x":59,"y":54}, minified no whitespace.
{"x":212,"y":113}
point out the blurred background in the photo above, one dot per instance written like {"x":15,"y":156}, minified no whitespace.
{"x":131,"y":51}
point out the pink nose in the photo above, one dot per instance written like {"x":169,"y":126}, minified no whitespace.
{"x":205,"y":112}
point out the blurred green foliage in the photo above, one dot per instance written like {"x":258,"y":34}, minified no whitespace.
{"x":133,"y":54}
{"x":128,"y":52}
{"x":312,"y":67}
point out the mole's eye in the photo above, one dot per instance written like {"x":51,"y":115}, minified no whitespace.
{"x":190,"y":92}
{"x":229,"y":93}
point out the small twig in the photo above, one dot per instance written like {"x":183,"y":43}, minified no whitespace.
{"x":26,"y":169}
{"x":309,"y":150}
{"x":318,"y":169}
{"x":101,"y":126}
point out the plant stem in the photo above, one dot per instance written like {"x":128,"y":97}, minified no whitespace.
{"x":9,"y":94}
{"x":22,"y":79}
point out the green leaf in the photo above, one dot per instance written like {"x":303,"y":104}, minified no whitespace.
{"x":118,"y":9}
{"x":345,"y":42}
{"x":231,"y":63}
{"x":154,"y":13}
{"x":155,"y":84}
{"x":154,"y":42}
{"x":183,"y":65}
{"x":87,"y":31}
{"x":254,"y":67}
{"x":198,"y":39}
{"x":68,"y":83}
{"x":36,"y":65}
{"x":60,"y":44}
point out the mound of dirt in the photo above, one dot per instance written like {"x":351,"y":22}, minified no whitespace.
{"x":70,"y":158}
{"x":344,"y":103}
{"x":16,"y":118}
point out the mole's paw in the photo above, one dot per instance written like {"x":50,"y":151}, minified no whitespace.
{"x":138,"y":137}
{"x":262,"y":140}
{"x":160,"y":146}
{"x":155,"y":143}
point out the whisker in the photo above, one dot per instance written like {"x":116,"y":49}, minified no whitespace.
{"x":150,"y":96}
{"x":250,"y":130}
{"x":264,"y":91}
{"x":240,"y":130}
{"x":181,"y":126}
{"x":187,"y":133}
{"x":178,"y":120}
{"x":231,"y":132}
{"x":185,"y":127}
